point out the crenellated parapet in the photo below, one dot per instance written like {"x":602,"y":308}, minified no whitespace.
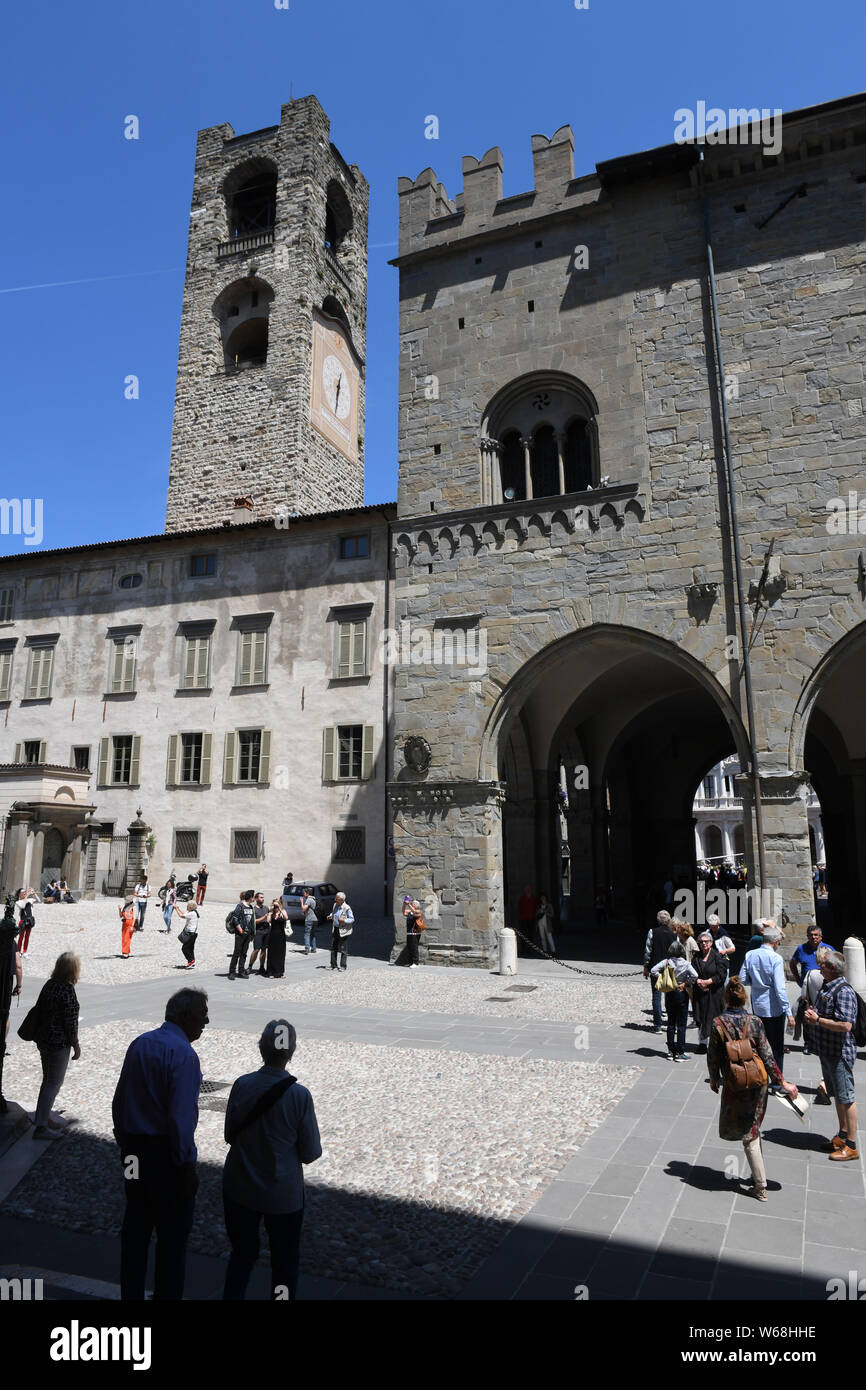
{"x":428,"y":216}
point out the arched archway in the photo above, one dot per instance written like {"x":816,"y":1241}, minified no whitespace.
{"x":642,"y":720}
{"x":828,"y":739}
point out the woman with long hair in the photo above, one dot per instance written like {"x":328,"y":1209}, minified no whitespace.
{"x":742,"y":1111}
{"x":56,"y":1034}
{"x":277,"y":918}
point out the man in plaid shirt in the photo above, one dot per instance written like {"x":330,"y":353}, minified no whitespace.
{"x":833,"y":1018}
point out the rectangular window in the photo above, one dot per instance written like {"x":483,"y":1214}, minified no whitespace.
{"x":39,"y":673}
{"x":249,"y":754}
{"x":33,"y":748}
{"x":253,"y":657}
{"x":354,"y":547}
{"x":349,"y":845}
{"x":119,"y":761}
{"x":245,"y":845}
{"x":190,"y":757}
{"x":6,"y":658}
{"x":123,"y":662}
{"x":7,"y":605}
{"x":347,"y":754}
{"x":200,"y":565}
{"x":185,"y":844}
{"x":81,"y":758}
{"x":351,"y":653}
{"x":196,"y":663}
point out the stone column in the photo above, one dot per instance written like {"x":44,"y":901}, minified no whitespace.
{"x":560,"y":458}
{"x":518,"y":849}
{"x":786,"y":846}
{"x":16,"y":851}
{"x":457,"y":826}
{"x":37,"y":848}
{"x":527,"y":465}
{"x":138,"y":831}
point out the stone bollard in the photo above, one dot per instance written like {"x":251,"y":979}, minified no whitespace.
{"x":855,"y":964}
{"x":507,"y":952}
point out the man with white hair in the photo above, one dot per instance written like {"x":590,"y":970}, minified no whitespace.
{"x":833,"y":1018}
{"x":763,"y":971}
{"x":341,"y":919}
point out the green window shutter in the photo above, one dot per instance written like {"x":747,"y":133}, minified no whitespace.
{"x":367,"y":752}
{"x":135,"y":761}
{"x":260,"y":657}
{"x":329,"y":755}
{"x":45,"y":673}
{"x":102,"y":764}
{"x":171,"y":764}
{"x":246,"y":659}
{"x":5,"y":674}
{"x":123,"y":666}
{"x":359,"y":648}
{"x":206,"y":758}
{"x":344,"y":650}
{"x":202,"y":647}
{"x":230,"y":759}
{"x":39,"y":684}
{"x":18,"y":753}
{"x":265,"y":757}
{"x":43,"y":752}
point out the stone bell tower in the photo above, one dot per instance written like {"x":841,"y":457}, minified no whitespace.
{"x":270,"y":384}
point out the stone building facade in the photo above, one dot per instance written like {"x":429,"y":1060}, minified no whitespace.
{"x":226,"y":683}
{"x":277,"y":257}
{"x":563,"y":493}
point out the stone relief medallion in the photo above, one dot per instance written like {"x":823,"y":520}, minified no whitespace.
{"x":416,"y":753}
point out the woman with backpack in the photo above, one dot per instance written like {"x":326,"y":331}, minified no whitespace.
{"x":740,"y":1058}
{"x":26,"y":921}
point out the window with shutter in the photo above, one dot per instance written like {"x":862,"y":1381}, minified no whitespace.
{"x":190,"y":758}
{"x":102,"y":764}
{"x":350,"y":738}
{"x":265,"y":757}
{"x":329,"y":744}
{"x":196,"y":663}
{"x":253,"y":657}
{"x":39,"y":674}
{"x":367,"y":752}
{"x":7,"y":605}
{"x":123,"y":665}
{"x":230,"y":759}
{"x":5,"y":675}
{"x":171,"y":763}
{"x":351,"y":648}
{"x":249,"y":755}
{"x":135,"y":762}
{"x":206,"y":747}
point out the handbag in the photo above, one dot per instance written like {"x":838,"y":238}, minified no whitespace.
{"x":666,"y":980}
{"x":29,"y":1027}
{"x":185,"y":936}
{"x":745,"y":1071}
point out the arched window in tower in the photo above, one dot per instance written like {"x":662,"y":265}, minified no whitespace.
{"x":557,"y":414}
{"x":241,"y":311}
{"x":513,"y":467}
{"x":251,"y":199}
{"x":545,"y":463}
{"x":338,"y":218}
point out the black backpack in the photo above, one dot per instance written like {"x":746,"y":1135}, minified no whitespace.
{"x":859,"y":1029}
{"x":232,"y":921}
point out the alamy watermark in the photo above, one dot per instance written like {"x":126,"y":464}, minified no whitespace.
{"x":22,"y":516}
{"x":738,"y":126}
{"x":439,"y":646}
{"x":732,"y":906}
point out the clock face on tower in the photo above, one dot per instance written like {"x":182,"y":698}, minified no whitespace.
{"x":334,"y":406}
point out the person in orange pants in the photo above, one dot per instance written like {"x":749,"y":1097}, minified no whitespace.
{"x":127,"y":922}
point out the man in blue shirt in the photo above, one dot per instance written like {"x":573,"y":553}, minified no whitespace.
{"x":764,"y":971}
{"x":803,"y":960}
{"x":155,"y":1113}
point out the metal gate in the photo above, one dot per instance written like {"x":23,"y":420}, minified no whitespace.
{"x":114,"y":882}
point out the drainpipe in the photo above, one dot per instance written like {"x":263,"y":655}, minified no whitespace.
{"x":386,"y":907}
{"x":735,"y":534}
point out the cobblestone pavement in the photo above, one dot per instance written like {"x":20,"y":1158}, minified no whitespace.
{"x":429,"y":1155}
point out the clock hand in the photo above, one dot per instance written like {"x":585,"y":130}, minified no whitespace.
{"x":337,"y":398}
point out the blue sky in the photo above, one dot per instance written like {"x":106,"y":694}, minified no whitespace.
{"x":86,"y":206}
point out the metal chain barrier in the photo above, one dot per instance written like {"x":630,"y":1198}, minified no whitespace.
{"x":602,"y":974}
